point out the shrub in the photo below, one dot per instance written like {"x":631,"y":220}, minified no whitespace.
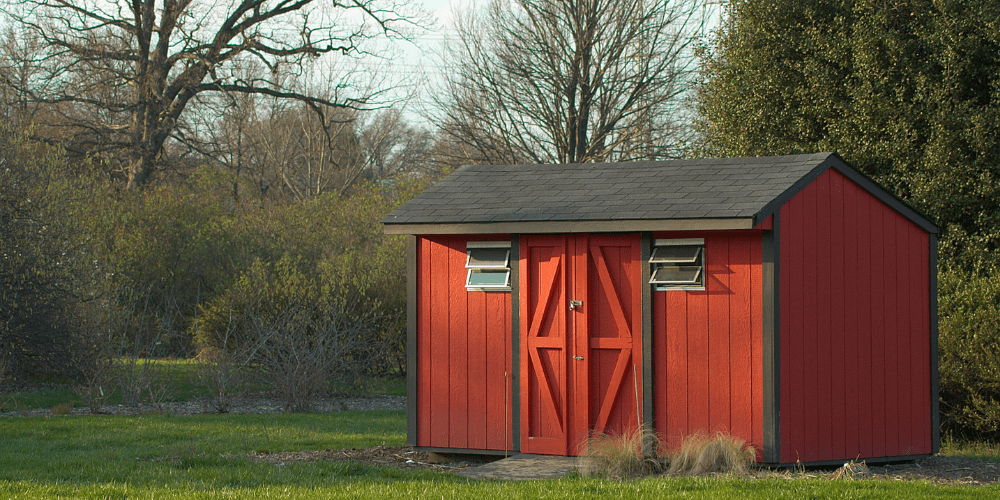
{"x":297,"y":330}
{"x":702,"y":454}
{"x":45,"y":270}
{"x":621,"y":456}
{"x":969,"y":353}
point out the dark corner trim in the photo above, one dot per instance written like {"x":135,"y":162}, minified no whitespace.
{"x":515,"y":341}
{"x":935,"y":376}
{"x":771,"y":302}
{"x":648,"y":380}
{"x":411,"y":340}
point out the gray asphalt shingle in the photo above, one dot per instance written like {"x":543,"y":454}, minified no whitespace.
{"x":702,"y":188}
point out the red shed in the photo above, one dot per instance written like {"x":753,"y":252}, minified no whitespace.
{"x":786,"y":300}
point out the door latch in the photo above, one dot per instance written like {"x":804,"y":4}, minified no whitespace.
{"x":574,"y":303}
{"x":578,"y":358}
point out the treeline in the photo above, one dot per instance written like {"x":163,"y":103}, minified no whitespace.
{"x":95,"y":278}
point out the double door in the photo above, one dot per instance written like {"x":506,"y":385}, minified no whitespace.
{"x":580,"y":321}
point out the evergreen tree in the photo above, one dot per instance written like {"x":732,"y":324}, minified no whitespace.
{"x":908,"y":91}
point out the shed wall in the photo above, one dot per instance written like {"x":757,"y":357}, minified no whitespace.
{"x":855,"y":327}
{"x":463,"y":353}
{"x":707,"y":345}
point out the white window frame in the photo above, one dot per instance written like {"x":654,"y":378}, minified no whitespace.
{"x":482,"y":268}
{"x":698,"y":262}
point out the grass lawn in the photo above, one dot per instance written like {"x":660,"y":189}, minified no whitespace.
{"x":162,"y":456}
{"x":182,"y":376}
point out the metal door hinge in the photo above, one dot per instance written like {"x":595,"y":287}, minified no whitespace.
{"x":573,"y":304}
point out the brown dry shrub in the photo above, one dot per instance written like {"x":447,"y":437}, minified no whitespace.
{"x":702,"y":454}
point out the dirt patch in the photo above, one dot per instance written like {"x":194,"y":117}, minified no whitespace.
{"x":400,"y":457}
{"x":938,"y":469}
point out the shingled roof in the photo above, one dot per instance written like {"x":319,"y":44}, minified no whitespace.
{"x":716,"y":193}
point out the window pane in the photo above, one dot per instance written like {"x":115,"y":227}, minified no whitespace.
{"x":677,"y":275}
{"x":675,"y":254}
{"x":488,"y":257}
{"x":484,"y":278}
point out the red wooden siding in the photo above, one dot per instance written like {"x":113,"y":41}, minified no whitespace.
{"x":463,"y":353}
{"x":707,"y":362}
{"x":855,"y":327}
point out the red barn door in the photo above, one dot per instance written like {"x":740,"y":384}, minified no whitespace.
{"x":580,"y":337}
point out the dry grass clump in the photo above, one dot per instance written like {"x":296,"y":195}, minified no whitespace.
{"x":621,"y":457}
{"x":702,"y":454}
{"x":853,"y":471}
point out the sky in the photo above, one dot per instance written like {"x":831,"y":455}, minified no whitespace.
{"x":422,"y":56}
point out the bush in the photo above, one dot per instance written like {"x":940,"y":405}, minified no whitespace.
{"x":45,"y":270}
{"x":297,"y":330}
{"x":969,"y":353}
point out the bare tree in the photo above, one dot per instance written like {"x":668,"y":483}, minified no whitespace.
{"x":129,"y":70}
{"x":570,"y":80}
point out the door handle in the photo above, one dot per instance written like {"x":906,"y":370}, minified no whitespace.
{"x":574,"y":303}
{"x":578,"y":358}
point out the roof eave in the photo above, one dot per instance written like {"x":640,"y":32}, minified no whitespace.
{"x":574,"y":226}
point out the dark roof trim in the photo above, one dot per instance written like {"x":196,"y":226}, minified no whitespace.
{"x":836,"y":162}
{"x":542,"y":227}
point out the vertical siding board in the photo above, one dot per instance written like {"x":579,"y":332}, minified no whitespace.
{"x":892,"y":331}
{"x":458,"y":334}
{"x":905,"y":332}
{"x":718,"y":288}
{"x":698,"y":342}
{"x":677,"y":367}
{"x":424,"y":277}
{"x":878,"y":329}
{"x":496,"y":332}
{"x":439,"y":328}
{"x":823,"y":336}
{"x":740,"y":334}
{"x":479,"y":384}
{"x":838,"y":334}
{"x":805,"y":322}
{"x":660,"y":372}
{"x":865,"y":342}
{"x":756,"y":344}
{"x":851,"y":381}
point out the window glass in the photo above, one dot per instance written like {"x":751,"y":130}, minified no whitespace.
{"x":678,"y":264}
{"x":488,"y":263}
{"x":676,"y":253}
{"x":488,"y":257}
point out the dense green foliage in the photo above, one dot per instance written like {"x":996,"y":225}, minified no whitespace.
{"x":970,"y":347}
{"x":908,"y":92}
{"x":206,"y":457}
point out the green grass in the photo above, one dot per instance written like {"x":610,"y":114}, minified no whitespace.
{"x":182,"y":374}
{"x":982,"y":450}
{"x":161,"y":456}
